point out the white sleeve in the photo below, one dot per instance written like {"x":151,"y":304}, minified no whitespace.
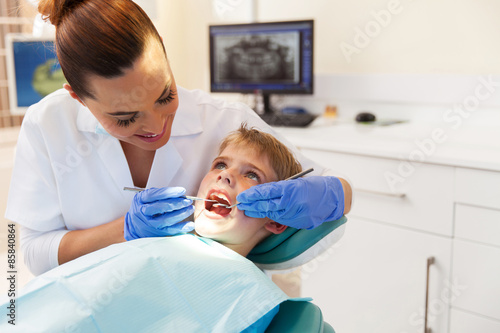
{"x":330,"y":172}
{"x":40,"y":249}
{"x":33,"y":199}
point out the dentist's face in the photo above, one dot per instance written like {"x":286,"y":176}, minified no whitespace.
{"x":138,"y":107}
{"x":233,"y":171}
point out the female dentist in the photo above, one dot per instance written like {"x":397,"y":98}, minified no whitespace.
{"x":122,"y":121}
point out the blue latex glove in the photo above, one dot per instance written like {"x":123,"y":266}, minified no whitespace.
{"x":302,"y":203}
{"x":156,"y":212}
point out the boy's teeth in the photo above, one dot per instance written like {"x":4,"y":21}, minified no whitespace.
{"x":221,"y":196}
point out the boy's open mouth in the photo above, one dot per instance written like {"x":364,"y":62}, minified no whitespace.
{"x":214,"y":208}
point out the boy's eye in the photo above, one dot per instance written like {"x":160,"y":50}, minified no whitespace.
{"x":169,"y":98}
{"x":220,"y":165}
{"x":253,"y":176}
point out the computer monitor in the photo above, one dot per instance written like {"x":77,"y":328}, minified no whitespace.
{"x":32,"y":70}
{"x":267,"y":58}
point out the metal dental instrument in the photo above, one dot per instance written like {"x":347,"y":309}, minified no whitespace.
{"x":196,"y":198}
{"x":140,"y":189}
{"x":134,"y":189}
{"x":298,"y":175}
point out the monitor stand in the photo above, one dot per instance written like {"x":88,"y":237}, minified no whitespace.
{"x":275,"y":118}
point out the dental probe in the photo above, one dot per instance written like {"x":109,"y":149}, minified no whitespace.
{"x":133,"y":189}
{"x":139,"y":189}
{"x":298,"y":175}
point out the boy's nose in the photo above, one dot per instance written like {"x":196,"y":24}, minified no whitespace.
{"x":226,"y":177}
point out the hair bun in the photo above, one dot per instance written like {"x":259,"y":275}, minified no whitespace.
{"x":56,"y":10}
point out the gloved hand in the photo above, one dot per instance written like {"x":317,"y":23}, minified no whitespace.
{"x":157,"y":212}
{"x":302,"y":203}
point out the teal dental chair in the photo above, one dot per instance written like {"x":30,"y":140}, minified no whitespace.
{"x":290,"y":249}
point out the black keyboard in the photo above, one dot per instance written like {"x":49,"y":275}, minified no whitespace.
{"x":289,"y":120}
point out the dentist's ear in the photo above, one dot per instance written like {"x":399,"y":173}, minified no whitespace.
{"x":275,"y":227}
{"x":73,"y":94}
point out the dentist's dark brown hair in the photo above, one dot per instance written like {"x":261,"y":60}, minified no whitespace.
{"x":97,"y":37}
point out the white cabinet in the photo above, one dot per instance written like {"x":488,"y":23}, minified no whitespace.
{"x":476,"y":251}
{"x":464,"y":322}
{"x":477,"y":268}
{"x":478,"y":224}
{"x":478,"y":187}
{"x":375,"y":280}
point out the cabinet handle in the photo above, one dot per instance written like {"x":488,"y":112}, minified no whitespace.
{"x":386,"y":194}
{"x":430,"y":261}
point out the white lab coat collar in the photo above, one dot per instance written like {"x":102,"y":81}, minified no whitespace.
{"x":166,"y":164}
{"x":187,"y":120}
{"x":85,"y":120}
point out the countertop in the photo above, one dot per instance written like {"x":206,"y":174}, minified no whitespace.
{"x":434,"y":143}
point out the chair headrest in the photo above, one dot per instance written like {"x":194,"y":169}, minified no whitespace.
{"x":278,"y":251}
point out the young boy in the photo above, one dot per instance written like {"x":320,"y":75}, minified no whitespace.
{"x":176,"y":284}
{"x":247,"y":157}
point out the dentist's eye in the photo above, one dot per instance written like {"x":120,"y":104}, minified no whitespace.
{"x":169,"y":98}
{"x":126,"y":122}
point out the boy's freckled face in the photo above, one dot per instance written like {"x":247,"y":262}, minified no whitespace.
{"x":236,"y":169}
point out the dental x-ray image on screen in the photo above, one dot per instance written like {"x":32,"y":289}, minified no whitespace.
{"x":268,"y":57}
{"x":264,"y":57}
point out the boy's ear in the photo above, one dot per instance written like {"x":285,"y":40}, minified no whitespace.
{"x":275,"y":227}
{"x":72,"y":93}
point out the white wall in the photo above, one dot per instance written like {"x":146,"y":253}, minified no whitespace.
{"x":183,"y":25}
{"x":418,"y":37}
{"x":422,"y":36}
